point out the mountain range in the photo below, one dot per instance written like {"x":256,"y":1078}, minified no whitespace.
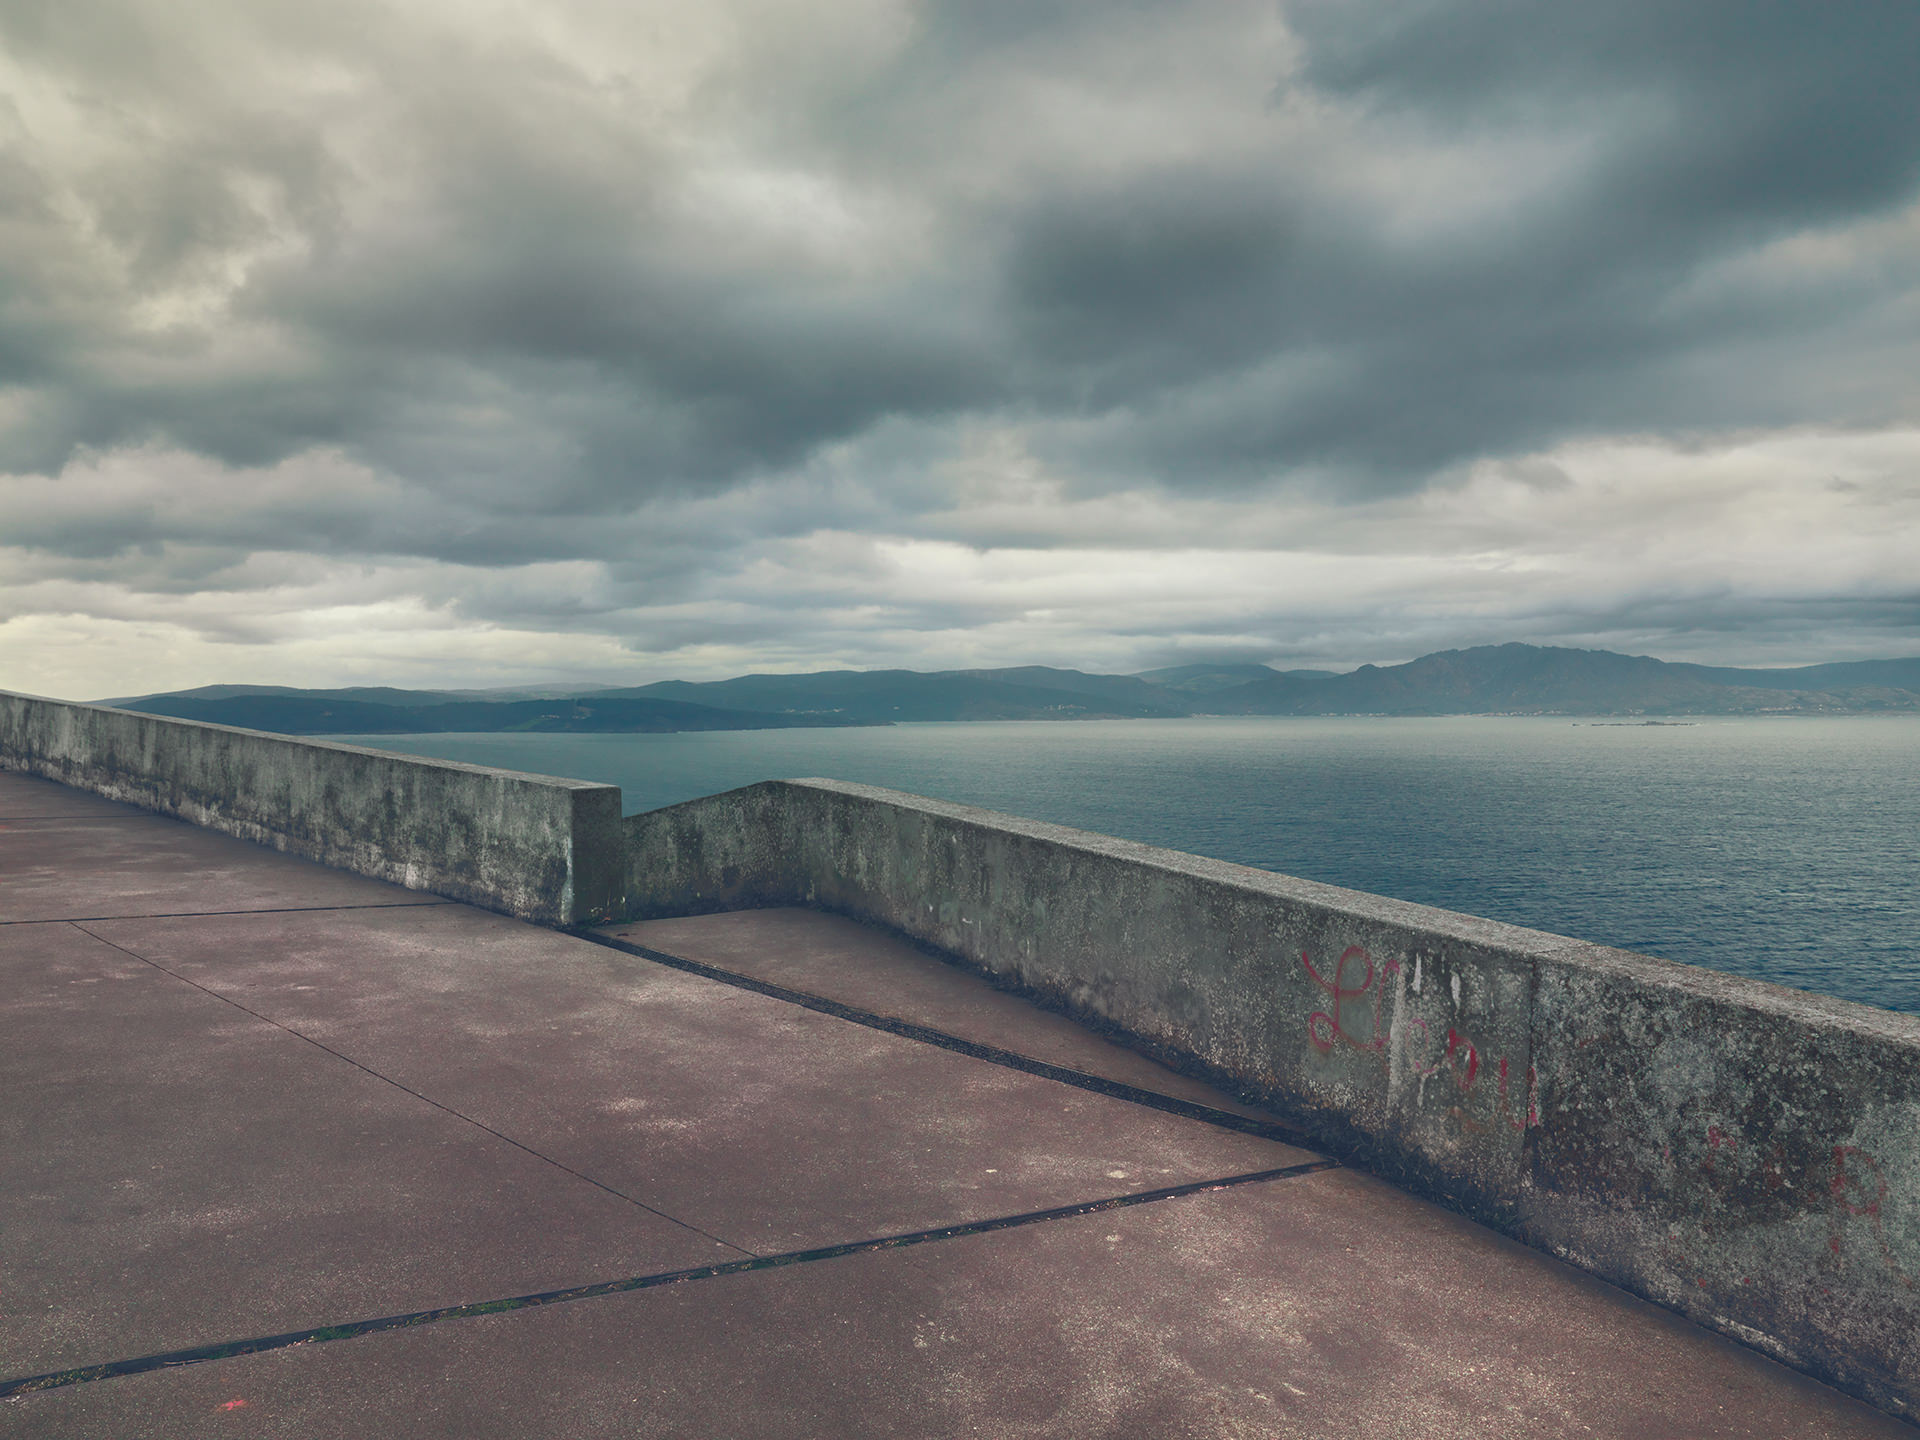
{"x":1488,"y":679}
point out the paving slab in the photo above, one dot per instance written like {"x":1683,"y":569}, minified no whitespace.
{"x":179,"y":1167}
{"x":28,"y":797}
{"x":767,"y":1124}
{"x":1312,"y":1307}
{"x":839,"y":959}
{"x":175,"y":1172}
{"x":75,"y":867}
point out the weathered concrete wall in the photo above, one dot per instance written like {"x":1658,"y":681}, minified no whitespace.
{"x":536,"y":847}
{"x":1745,"y":1154}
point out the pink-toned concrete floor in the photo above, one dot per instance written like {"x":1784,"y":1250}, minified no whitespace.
{"x":248,"y":1098}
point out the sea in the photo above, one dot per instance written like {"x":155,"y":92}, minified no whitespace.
{"x":1786,"y":848}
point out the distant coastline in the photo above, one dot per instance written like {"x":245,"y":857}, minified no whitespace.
{"x":1487,"y":680}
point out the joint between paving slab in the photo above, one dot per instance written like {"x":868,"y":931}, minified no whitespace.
{"x":1276,"y":1130}
{"x":409,"y":1090}
{"x":212,"y":914}
{"x":81,"y":1375}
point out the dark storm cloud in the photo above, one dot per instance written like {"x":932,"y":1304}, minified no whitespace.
{"x":560,"y":315}
{"x":1764,"y":110}
{"x":1692,"y":134}
{"x":515,"y":267}
{"x":523,"y":240}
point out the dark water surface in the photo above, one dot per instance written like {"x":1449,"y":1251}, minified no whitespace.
{"x":1783,"y":848}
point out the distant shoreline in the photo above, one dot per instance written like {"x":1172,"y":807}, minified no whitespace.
{"x":1490,"y":680}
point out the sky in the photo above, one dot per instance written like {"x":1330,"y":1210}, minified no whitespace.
{"x":469,"y":343}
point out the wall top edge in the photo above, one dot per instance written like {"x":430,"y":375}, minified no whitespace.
{"x":1516,"y":941}
{"x":524,"y":777}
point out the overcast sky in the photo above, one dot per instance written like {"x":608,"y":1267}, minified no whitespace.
{"x":469,"y":343}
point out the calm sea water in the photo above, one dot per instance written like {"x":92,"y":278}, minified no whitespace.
{"x":1782,"y":848}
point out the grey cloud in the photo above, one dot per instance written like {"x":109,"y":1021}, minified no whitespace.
{"x":1768,"y":110}
{"x":544,"y":267}
{"x":1703,"y":132}
{"x":553,"y":312}
{"x":1170,"y":277}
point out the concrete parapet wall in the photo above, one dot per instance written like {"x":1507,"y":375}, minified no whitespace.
{"x":541,"y":848}
{"x":1748,"y":1155}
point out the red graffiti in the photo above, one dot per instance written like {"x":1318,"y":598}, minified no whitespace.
{"x":1533,"y":1095}
{"x":1855,"y":1191}
{"x":1458,"y":1045}
{"x":1772,"y":1169}
{"x":1328,"y":1029}
{"x":1843,"y":1184}
{"x":1324,"y":1028}
{"x":1716,"y":1138}
{"x":1466,"y":1069}
{"x":1848,"y":1188}
{"x":1416,"y":1023}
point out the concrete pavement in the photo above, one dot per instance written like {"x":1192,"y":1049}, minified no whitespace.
{"x":248,"y":1099}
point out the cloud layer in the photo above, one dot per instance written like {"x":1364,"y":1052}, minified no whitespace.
{"x":607,"y":341}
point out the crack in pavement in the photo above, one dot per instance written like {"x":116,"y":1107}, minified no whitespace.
{"x":752,"y":1262}
{"x":198,"y":914}
{"x":428,"y":1099}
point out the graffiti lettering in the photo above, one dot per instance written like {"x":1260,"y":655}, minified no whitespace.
{"x":1331,"y":1028}
{"x":1846,"y":1184}
{"x":1326,"y":1029}
{"x":1850,"y":1187}
{"x":1466,"y":1069}
{"x":1505,"y":1107}
{"x":1420,"y":1071}
{"x":1855,"y":1173}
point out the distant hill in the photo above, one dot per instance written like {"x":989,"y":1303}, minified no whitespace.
{"x":1124,"y":692}
{"x":301,"y":714}
{"x":1211,"y":679}
{"x":1846,"y":676}
{"x":367,"y":694}
{"x":878,"y":696}
{"x":1488,"y":679}
{"x":1533,"y":679}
